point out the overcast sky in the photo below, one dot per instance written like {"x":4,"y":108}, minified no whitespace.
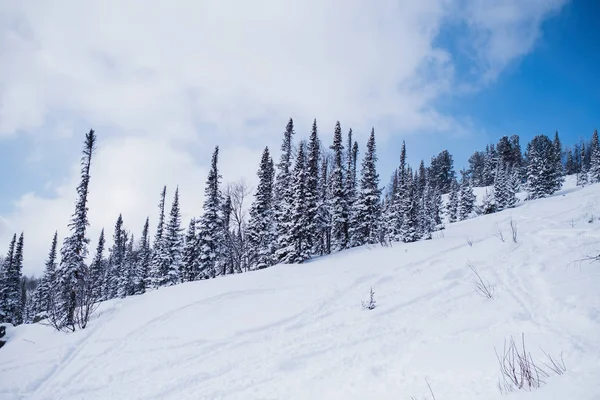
{"x":164,"y":82}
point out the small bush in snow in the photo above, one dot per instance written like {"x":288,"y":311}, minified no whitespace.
{"x":513,"y":230}
{"x":482,"y":287}
{"x":520,"y":372}
{"x":371,"y":304}
{"x":469,"y":242}
{"x":499,"y":234}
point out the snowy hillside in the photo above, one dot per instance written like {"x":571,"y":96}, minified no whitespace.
{"x":299,"y":331}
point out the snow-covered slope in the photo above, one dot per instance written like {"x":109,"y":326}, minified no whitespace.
{"x":299,"y":331}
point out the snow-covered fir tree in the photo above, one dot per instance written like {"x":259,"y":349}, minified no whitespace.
{"x":210,"y":224}
{"x":46,"y":290}
{"x":295,"y":245}
{"x":158,"y":251}
{"x":11,"y":310}
{"x":583,"y":174}
{"x":339,"y":205}
{"x":366,"y":213}
{"x":322,"y":224}
{"x":409,"y":211}
{"x":453,"y":199}
{"x":97,"y":268}
{"x":143,"y":260}
{"x":594,"y":168}
{"x":467,"y":199}
{"x":261,"y":233}
{"x":283,"y":196}
{"x":442,"y":171}
{"x":542,"y":177}
{"x":190,"y":268}
{"x":173,"y":242}
{"x":501,"y":186}
{"x":74,"y":251}
{"x":313,"y":198}
{"x":116,"y":272}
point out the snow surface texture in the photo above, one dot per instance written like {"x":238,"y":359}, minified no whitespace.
{"x":300,"y":332}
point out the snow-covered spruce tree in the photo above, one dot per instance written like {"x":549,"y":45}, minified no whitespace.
{"x":570,"y":168}
{"x":391,"y":214}
{"x":295,"y":246}
{"x":323,"y":216}
{"x":189,"y":266}
{"x":73,"y":271}
{"x":442,"y":171}
{"x":116,"y":274}
{"x":228,"y":245}
{"x":46,"y":291}
{"x":409,"y":209}
{"x":339,"y":204}
{"x":476,"y":168}
{"x":542,"y":177}
{"x":594,"y":169}
{"x":5,"y":287}
{"x":427,"y":212}
{"x":366,"y":212}
{"x":350,"y":181}
{"x":452,"y":207}
{"x":283,"y":193}
{"x":210,"y":224}
{"x":399,"y":202}
{"x":501,"y":187}
{"x":261,"y":234}
{"x":489,"y":169}
{"x":143,"y":260}
{"x":173,"y":242}
{"x":558,"y":171}
{"x":313,"y":198}
{"x":12,"y":307}
{"x":97,"y":268}
{"x":513,"y":185}
{"x":130,"y":278}
{"x":158,"y":250}
{"x":467,"y":199}
{"x":582,"y":176}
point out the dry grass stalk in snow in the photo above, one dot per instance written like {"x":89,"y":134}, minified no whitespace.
{"x":482,"y":287}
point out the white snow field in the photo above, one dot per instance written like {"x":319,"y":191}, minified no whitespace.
{"x":299,"y":331}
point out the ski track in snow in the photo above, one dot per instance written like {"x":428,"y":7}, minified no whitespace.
{"x":299,"y":331}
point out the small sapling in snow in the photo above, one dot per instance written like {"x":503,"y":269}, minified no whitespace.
{"x":371,"y":304}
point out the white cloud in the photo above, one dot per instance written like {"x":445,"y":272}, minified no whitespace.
{"x":164,"y":82}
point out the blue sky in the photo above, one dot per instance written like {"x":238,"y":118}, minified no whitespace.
{"x":164,"y":83}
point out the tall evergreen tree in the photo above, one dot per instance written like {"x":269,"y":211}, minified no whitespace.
{"x":594,"y":169}
{"x":97,"y":268}
{"x":409,"y":209}
{"x":12,"y":305}
{"x":46,"y":290}
{"x":467,"y":199}
{"x":75,"y":247}
{"x":159,"y":250}
{"x":367,"y":208}
{"x":452,"y":207}
{"x":294,"y":247}
{"x":313,"y":198}
{"x":174,"y":245}
{"x":7,"y":283}
{"x":442,"y":171}
{"x":542,"y":177}
{"x":283,"y":196}
{"x":116,"y":274}
{"x":144,"y":260}
{"x":501,"y":195}
{"x":582,"y":176}
{"x":190,"y":267}
{"x":323,"y":215}
{"x":339,"y":205}
{"x":210,"y":224}
{"x":261,"y":233}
